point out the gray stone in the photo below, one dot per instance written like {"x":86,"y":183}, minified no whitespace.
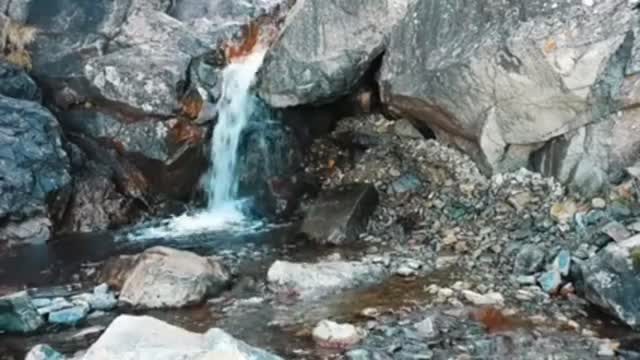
{"x":427,"y":328}
{"x":358,"y":354}
{"x":405,"y":128}
{"x":611,"y":281}
{"x":310,"y":280}
{"x":69,"y":316}
{"x":530,"y":259}
{"x":166,"y":278}
{"x":616,"y":231}
{"x":16,"y":83}
{"x":43,"y":352}
{"x":17,"y":314}
{"x":325,"y":48}
{"x":506,"y":80}
{"x":339,"y":215}
{"x":161,"y":341}
{"x":34,"y":170}
{"x":55,"y":305}
{"x":221,"y":11}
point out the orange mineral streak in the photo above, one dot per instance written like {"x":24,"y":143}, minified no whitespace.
{"x":493,"y":320}
{"x":250,"y":40}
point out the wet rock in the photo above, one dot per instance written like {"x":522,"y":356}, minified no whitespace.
{"x":564,"y":88}
{"x":339,"y":215}
{"x":334,"y":41}
{"x":16,"y":83}
{"x":161,"y":341}
{"x":358,"y":354}
{"x":221,"y":11}
{"x":409,"y":268}
{"x":43,"y":352}
{"x":164,"y":278}
{"x":96,"y":205}
{"x":530,"y":259}
{"x":550,"y":281}
{"x":598,"y":203}
{"x":616,"y":231}
{"x":56,"y":304}
{"x":611,"y":282}
{"x":17,"y":314}
{"x":329,"y":334}
{"x":310,"y":280}
{"x":69,"y":316}
{"x":34,"y":176}
{"x":483,"y":299}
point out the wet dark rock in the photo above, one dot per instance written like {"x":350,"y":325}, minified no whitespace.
{"x":160,"y":340}
{"x":308,"y":280}
{"x":339,"y":215}
{"x":270,"y":168}
{"x":16,"y":83}
{"x":17,"y":314}
{"x":611,"y":282}
{"x":34,"y":177}
{"x":167,"y":278}
{"x":530,"y":259}
{"x":325,"y":49}
{"x":450,"y":75}
{"x":96,"y":205}
{"x":43,"y":352}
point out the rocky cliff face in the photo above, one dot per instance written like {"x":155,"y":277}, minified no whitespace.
{"x":518,"y":84}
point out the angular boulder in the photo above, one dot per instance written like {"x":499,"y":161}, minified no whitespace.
{"x":43,"y":352}
{"x":325,"y":49}
{"x":34,"y":171}
{"x":146,"y":338}
{"x":166,"y":278}
{"x":309,"y":280}
{"x":339,"y":215}
{"x":17,"y":314}
{"x":611,"y":280}
{"x":511,"y":76}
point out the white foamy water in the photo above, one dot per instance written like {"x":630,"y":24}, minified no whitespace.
{"x":224,"y":211}
{"x":234,"y":110}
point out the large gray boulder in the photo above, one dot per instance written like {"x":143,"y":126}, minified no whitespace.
{"x":16,"y":83}
{"x":145,"y":338}
{"x":34,"y":171}
{"x":500,"y":79}
{"x":611,"y":280}
{"x":167,"y":278}
{"x":325,"y":49}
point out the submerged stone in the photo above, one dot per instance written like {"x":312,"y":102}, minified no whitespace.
{"x":550,"y":281}
{"x":17,"y":314}
{"x":69,"y":316}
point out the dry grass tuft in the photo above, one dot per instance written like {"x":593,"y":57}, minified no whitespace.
{"x":14,"y":41}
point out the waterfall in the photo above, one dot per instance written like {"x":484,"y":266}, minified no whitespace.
{"x":224,"y":210}
{"x":235,"y":107}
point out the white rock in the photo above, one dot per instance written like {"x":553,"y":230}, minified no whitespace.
{"x":146,"y":338}
{"x":483,"y":299}
{"x":330,"y":334}
{"x":310,"y":280}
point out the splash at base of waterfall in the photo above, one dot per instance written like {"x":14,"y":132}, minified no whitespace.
{"x":229,"y":217}
{"x":224,"y":211}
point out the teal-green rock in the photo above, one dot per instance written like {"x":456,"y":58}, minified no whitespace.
{"x":17,"y":314}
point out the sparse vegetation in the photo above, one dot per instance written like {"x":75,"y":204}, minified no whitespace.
{"x":14,"y":41}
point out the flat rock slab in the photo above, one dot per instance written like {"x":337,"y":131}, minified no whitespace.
{"x":147,"y":338}
{"x":339,"y":215}
{"x":166,"y":278}
{"x":17,"y":314}
{"x":309,"y":280}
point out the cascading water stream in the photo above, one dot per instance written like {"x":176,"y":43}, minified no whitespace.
{"x":234,"y":110}
{"x":224,"y":210}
